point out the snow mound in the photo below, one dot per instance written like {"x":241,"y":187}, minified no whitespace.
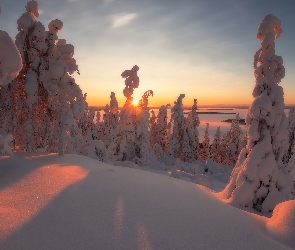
{"x":75,"y":202}
{"x":4,"y":144}
{"x":282,"y":223}
{"x":127,"y":164}
{"x":203,"y":180}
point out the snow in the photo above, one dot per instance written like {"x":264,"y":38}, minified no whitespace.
{"x":32,"y":8}
{"x":55,"y":25}
{"x":261,"y":179}
{"x":4,"y":144}
{"x":281,"y":224}
{"x":10,"y":59}
{"x":25,"y":22}
{"x":75,"y":202}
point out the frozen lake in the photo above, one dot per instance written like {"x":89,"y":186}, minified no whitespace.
{"x":214,"y":120}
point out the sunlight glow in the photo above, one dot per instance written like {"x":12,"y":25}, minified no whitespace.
{"x":143,"y":239}
{"x":119,"y":213}
{"x":135,"y":101}
{"x":25,"y":198}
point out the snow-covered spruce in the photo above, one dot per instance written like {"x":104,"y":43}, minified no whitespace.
{"x":215,"y":146}
{"x":65,"y":101}
{"x":131,"y":141}
{"x":110,"y":120}
{"x":44,"y":89}
{"x":153,"y":129}
{"x":192,"y":123}
{"x":291,"y":166}
{"x":290,"y":156}
{"x":10,"y":66}
{"x":23,"y":91}
{"x":205,"y":148}
{"x":232,"y":142}
{"x":159,"y":133}
{"x":291,"y":131}
{"x":178,"y":146}
{"x":260,"y":179}
{"x":123,"y":145}
{"x":95,"y":149}
{"x":145,"y":155}
{"x":10,"y":59}
{"x":88,"y":128}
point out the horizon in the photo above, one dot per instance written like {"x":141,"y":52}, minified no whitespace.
{"x":204,"y":50}
{"x":200,"y":107}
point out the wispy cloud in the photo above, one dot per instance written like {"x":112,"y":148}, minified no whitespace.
{"x":121,"y":19}
{"x":107,"y":2}
{"x":72,"y":1}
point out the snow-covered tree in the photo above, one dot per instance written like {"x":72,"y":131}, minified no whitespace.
{"x":192,"y":123}
{"x":10,"y":58}
{"x":291,"y":164}
{"x":110,"y":120}
{"x":44,"y":89}
{"x":10,"y":67}
{"x":214,"y":148}
{"x":205,"y":148}
{"x":95,"y":149}
{"x":159,"y":134}
{"x":260,"y":179}
{"x":159,"y":128}
{"x":233,"y":140}
{"x":131,"y":141}
{"x":143,"y":152}
{"x":291,"y":131}
{"x":223,"y":148}
{"x":178,"y":145}
{"x":123,"y":145}
{"x":89,"y":130}
{"x":24,"y":92}
{"x":153,"y":129}
{"x":65,"y":99}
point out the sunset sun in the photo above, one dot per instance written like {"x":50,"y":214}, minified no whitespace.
{"x":135,"y":101}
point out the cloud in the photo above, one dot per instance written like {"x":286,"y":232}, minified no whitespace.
{"x":72,"y":1}
{"x":107,"y":2}
{"x":121,"y":19}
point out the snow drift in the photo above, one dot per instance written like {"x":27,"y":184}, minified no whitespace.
{"x":87,"y":204}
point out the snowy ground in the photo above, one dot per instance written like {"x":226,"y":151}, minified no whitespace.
{"x":74,"y":202}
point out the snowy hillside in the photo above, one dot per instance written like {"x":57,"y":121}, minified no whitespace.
{"x":74,"y":202}
{"x":168,"y":187}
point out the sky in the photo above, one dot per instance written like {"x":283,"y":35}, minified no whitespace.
{"x":203,"y":49}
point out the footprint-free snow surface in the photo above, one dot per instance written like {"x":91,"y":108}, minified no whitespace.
{"x":74,"y":202}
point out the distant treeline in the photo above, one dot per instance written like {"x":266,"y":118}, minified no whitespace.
{"x":241,"y":121}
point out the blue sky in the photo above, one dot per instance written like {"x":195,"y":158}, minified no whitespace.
{"x":202,"y":48}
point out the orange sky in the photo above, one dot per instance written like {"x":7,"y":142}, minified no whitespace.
{"x":203,"y":49}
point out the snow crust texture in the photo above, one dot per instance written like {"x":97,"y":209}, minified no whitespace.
{"x":281,"y":224}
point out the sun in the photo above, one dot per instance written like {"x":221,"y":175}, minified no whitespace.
{"x":135,"y":101}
